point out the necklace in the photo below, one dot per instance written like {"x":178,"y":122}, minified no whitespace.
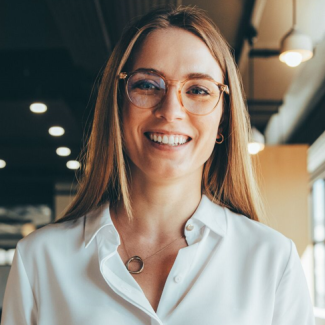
{"x":136,"y":257}
{"x":139,"y":259}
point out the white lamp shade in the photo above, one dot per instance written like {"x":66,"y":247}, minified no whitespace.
{"x":298,"y":42}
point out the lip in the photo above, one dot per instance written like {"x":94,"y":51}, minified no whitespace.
{"x":175,"y":132}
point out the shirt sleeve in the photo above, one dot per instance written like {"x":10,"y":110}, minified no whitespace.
{"x":293,"y":303}
{"x":19,"y":306}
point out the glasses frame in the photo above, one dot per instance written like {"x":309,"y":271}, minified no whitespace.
{"x":179,"y":84}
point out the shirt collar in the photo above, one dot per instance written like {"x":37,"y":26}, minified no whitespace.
{"x":95,"y":221}
{"x":208,"y":213}
{"x":211,"y":215}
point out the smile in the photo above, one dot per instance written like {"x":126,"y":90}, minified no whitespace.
{"x":168,"y":139}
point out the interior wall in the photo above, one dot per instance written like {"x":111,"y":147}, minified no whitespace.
{"x":284,"y":183}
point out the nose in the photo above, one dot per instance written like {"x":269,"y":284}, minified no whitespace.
{"x":170,"y":108}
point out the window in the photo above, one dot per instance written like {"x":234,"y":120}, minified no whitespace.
{"x":318,"y":231}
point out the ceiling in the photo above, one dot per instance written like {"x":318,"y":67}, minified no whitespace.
{"x":53,"y":51}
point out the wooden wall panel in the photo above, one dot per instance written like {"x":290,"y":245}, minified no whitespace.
{"x":284,"y":182}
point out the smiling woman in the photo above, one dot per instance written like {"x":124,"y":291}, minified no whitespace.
{"x":202,"y":53}
{"x":165,"y":226}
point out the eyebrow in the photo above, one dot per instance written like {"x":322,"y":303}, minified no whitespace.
{"x":189,"y":75}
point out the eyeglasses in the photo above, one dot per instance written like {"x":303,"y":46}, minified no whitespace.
{"x":199,"y":94}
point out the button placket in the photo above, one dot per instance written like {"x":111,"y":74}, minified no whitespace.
{"x":135,"y":297}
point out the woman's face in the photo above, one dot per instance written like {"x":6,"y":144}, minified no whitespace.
{"x":175,"y":53}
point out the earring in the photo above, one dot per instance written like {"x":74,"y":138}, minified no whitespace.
{"x":222,"y":138}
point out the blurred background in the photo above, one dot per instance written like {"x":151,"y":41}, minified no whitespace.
{"x":51,"y":56}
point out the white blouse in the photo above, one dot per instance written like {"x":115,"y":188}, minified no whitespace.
{"x":233,"y":271}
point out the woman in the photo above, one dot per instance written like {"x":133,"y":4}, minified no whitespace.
{"x":164,"y":228}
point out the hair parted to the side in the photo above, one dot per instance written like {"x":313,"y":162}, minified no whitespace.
{"x":228,"y":176}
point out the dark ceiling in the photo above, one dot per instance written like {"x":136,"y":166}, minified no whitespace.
{"x":53,"y":51}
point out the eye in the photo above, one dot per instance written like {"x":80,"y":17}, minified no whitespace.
{"x":145,"y":85}
{"x":196,"y":90}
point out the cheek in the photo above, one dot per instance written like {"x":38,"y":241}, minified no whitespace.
{"x":133,"y":120}
{"x":208,"y":127}
{"x":208,"y":131}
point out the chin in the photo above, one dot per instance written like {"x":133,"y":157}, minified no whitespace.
{"x":171,"y":172}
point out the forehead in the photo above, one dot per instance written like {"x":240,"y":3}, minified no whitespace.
{"x":176,"y":53}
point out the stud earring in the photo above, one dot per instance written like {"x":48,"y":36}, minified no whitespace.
{"x":222,"y":139}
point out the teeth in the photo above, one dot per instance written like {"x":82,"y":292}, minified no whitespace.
{"x":165,"y":139}
{"x":171,"y":140}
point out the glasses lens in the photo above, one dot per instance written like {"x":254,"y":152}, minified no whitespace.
{"x":146,"y":89}
{"x":200,"y":96}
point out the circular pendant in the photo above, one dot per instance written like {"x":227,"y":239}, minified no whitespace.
{"x":135,"y":258}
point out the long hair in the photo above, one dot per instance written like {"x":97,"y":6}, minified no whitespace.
{"x":228,"y":176}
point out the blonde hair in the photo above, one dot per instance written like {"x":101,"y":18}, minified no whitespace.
{"x":228,"y":177}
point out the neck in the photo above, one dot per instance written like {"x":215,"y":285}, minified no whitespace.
{"x":160,"y":208}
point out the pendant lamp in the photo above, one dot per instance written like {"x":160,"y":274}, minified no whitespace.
{"x":296,"y":47}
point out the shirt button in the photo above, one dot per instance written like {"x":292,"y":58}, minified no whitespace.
{"x":189,"y":227}
{"x":177,"y":278}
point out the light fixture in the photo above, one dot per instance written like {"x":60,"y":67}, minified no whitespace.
{"x":2,"y":163}
{"x":73,"y":164}
{"x":296,"y":47}
{"x":56,"y":131}
{"x":63,"y":151}
{"x":257,"y":142}
{"x":27,"y":228}
{"x":38,"y":108}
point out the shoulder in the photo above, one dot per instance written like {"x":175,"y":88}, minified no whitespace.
{"x":256,"y":236}
{"x":51,"y":236}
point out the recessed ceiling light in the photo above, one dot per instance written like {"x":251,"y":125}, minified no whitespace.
{"x":38,"y":108}
{"x":73,"y":164}
{"x":63,"y":151}
{"x":56,"y":131}
{"x":2,"y":163}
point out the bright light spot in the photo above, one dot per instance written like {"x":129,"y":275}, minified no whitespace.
{"x":73,"y":164}
{"x":56,"y":131}
{"x":6,"y":256}
{"x":2,"y":163}
{"x":38,"y":108}
{"x":292,"y":59}
{"x":27,"y":228}
{"x":319,"y":232}
{"x":63,"y":151}
{"x":255,"y":147}
{"x":318,"y":209}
